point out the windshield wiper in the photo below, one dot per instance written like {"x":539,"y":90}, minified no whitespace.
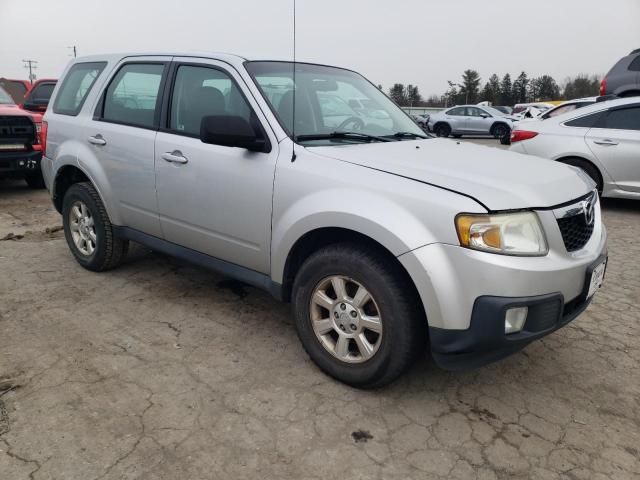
{"x":347,"y":135}
{"x":408,"y":135}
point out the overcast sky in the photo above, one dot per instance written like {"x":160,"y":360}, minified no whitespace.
{"x":424,"y":42}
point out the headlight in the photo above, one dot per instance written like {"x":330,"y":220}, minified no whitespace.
{"x":508,"y":234}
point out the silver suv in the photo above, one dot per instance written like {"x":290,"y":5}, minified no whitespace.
{"x":385,"y":241}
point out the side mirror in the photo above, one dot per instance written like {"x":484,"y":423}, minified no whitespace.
{"x":230,"y":131}
{"x":485,"y":115}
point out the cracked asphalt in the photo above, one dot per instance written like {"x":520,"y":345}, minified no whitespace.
{"x":160,"y":370}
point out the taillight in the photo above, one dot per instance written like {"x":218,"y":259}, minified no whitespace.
{"x":519,"y":135}
{"x":43,"y":137}
{"x":603,"y":86}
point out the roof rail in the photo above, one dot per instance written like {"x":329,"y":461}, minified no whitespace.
{"x":637,"y":50}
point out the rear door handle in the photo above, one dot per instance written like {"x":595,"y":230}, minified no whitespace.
{"x":174,"y":157}
{"x":605,"y":141}
{"x":97,"y":140}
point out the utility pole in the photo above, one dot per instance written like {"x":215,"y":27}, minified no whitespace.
{"x":75,"y":52}
{"x":31,"y":65}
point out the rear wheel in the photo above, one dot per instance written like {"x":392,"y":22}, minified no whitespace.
{"x":442,"y":130}
{"x":356,"y":315}
{"x":499,"y":130}
{"x":88,"y":230}
{"x":588,"y":168}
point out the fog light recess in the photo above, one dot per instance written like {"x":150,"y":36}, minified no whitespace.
{"x":514,"y":319}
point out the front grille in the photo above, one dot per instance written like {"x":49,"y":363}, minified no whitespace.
{"x":576,"y":222}
{"x":15,"y":129}
{"x":575,"y":231}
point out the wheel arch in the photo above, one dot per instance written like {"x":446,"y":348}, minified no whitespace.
{"x":567,"y":158}
{"x":316,"y":239}
{"x":72,"y":172}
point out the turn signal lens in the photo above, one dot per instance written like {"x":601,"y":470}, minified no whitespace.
{"x":517,"y":233}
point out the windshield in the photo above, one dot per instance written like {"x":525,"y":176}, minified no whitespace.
{"x":5,"y":98}
{"x":329,"y":100}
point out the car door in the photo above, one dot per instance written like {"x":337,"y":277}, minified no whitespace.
{"x":122,"y":136}
{"x":457,"y":119}
{"x":214,"y":199}
{"x":616,"y":142}
{"x":476,"y":123}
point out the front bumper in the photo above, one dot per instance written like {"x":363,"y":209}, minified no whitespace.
{"x":20,"y":164}
{"x":485,"y":340}
{"x":463,"y":292}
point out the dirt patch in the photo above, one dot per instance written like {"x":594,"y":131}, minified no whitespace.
{"x":49,"y":233}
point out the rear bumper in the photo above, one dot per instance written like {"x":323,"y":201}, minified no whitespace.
{"x":485,"y":341}
{"x":20,"y":164}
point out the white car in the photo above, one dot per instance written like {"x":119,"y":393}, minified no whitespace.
{"x":602,"y":139}
{"x":470,"y":120}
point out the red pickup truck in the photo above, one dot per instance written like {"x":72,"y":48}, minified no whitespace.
{"x":21,"y":142}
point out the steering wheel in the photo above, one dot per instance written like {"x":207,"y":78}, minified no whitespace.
{"x":357,"y":123}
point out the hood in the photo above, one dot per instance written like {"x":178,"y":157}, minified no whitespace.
{"x":15,"y":110}
{"x":498,"y":179}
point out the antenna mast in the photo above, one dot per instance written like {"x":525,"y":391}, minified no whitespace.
{"x":293,"y":116}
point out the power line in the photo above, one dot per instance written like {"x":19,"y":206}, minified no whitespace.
{"x":31,"y":65}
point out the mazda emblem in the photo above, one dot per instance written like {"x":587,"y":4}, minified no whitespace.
{"x":588,"y":210}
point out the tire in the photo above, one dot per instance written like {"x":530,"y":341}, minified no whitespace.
{"x":108,"y":251}
{"x":442,"y":130}
{"x":588,"y":168}
{"x":506,"y":140}
{"x":499,"y":130}
{"x":35,"y":182}
{"x":403,"y":332}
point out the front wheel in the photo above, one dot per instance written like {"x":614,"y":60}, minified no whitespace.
{"x":88,"y":230}
{"x":356,"y":314}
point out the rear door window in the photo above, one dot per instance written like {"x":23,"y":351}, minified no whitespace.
{"x":76,"y":86}
{"x":457,"y":112}
{"x":623,"y":119}
{"x":587,"y":121}
{"x":132,"y":97}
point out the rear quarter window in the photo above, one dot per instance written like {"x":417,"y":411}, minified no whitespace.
{"x":587,"y":121}
{"x":76,"y":86}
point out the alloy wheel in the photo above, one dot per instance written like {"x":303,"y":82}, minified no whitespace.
{"x":346,"y":319}
{"x":82,"y":227}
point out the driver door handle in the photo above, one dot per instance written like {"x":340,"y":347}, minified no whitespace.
{"x":174,"y":157}
{"x":605,"y":141}
{"x":97,"y":140}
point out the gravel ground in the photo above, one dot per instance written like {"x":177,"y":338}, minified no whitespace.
{"x":159,"y":370}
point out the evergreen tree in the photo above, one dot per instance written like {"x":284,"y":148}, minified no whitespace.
{"x":506,"y":91}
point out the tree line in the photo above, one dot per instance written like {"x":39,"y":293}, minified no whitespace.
{"x":499,"y":91}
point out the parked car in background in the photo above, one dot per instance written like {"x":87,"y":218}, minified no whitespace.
{"x":602,"y":139}
{"x":383,"y":239}
{"x":504,"y":109}
{"x":470,"y":120}
{"x":20,"y":142}
{"x":16,"y":89}
{"x":38,"y":97}
{"x":422,"y":120}
{"x":623,"y":79}
{"x":530,"y":110}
